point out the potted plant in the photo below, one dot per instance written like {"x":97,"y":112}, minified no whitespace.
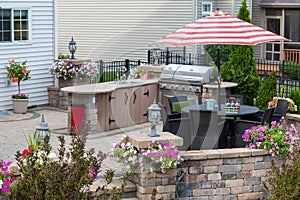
{"x":17,"y":72}
{"x":144,"y":74}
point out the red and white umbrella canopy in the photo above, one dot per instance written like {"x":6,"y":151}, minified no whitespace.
{"x":224,"y":29}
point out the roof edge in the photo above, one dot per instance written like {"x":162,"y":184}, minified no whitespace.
{"x":280,"y":5}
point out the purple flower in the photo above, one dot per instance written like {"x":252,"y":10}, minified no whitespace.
{"x":6,"y":190}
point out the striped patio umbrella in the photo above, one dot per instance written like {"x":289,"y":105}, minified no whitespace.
{"x":219,"y":28}
{"x":223,"y":29}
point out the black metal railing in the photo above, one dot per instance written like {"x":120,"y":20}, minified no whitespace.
{"x":287,"y":74}
{"x":168,"y":57}
{"x":109,"y":71}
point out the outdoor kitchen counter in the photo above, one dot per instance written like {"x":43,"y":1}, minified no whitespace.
{"x":107,"y":86}
{"x":111,"y":105}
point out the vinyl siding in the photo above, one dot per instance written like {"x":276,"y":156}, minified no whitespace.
{"x":257,"y":19}
{"x":118,"y":29}
{"x":39,"y":53}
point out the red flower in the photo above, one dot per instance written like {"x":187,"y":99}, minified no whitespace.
{"x":24,"y":71}
{"x":25,"y":152}
{"x":14,"y":79}
{"x":30,"y":147}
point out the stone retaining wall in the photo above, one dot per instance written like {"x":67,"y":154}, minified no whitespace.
{"x":224,"y":174}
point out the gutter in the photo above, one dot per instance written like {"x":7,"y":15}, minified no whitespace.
{"x":279,"y":5}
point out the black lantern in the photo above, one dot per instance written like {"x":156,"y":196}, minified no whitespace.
{"x":72,"y":48}
{"x":156,"y":53}
{"x":41,"y":131}
{"x":154,"y":116}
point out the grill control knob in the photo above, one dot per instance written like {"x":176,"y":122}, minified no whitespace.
{"x":176,"y":87}
{"x":198,"y":89}
{"x":190,"y":88}
{"x":163,"y":85}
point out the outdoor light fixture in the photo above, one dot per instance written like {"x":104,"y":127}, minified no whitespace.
{"x":154,"y":116}
{"x":72,"y":48}
{"x":41,"y":130}
{"x":156,"y":55}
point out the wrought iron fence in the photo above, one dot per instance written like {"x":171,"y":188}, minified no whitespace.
{"x":168,"y":57}
{"x":109,"y":71}
{"x":287,"y":74}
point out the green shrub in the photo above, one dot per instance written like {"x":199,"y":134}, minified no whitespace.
{"x":266,"y":92}
{"x":291,"y":69}
{"x":68,"y":176}
{"x":212,"y":51}
{"x":295,"y":96}
{"x":285,"y":180}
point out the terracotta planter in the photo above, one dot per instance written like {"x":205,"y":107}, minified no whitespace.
{"x":145,"y":76}
{"x":20,"y":105}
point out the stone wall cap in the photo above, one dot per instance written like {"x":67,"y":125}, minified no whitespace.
{"x":141,"y":140}
{"x":222,"y":153}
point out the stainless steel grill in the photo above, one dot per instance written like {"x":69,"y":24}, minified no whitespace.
{"x":185,"y":79}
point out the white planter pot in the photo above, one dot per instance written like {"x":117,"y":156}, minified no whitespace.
{"x":20,"y":105}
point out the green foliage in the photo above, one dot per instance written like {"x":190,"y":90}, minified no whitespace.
{"x":68,"y":176}
{"x":61,"y":56}
{"x":291,"y":69}
{"x":285,"y":180}
{"x":295,"y":96}
{"x":241,"y":66}
{"x":241,"y":69}
{"x":266,"y":92}
{"x":244,"y":13}
{"x":212,"y":51}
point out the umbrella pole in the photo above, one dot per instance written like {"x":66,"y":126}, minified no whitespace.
{"x":219,"y":76}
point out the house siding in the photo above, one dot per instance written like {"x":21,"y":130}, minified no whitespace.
{"x":39,"y":53}
{"x":115,"y":30}
{"x":257,"y":19}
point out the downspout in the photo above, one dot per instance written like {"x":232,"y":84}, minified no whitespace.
{"x":55,"y":40}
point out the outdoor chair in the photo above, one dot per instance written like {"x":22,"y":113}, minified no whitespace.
{"x":206,"y":129}
{"x":177,"y":125}
{"x":241,"y":125}
{"x":178,"y":102}
{"x":280,"y":111}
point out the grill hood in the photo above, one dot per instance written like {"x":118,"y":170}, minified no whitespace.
{"x":190,"y":73}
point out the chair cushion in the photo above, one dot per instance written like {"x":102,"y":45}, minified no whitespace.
{"x":177,"y":106}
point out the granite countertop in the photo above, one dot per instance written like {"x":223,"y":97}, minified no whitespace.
{"x":107,"y":86}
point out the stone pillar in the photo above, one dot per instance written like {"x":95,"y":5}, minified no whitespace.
{"x":152,"y":184}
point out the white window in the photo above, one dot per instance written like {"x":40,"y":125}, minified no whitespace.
{"x":206,"y":8}
{"x":14,"y":25}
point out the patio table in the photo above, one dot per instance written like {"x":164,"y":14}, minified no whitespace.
{"x":244,"y":110}
{"x":230,"y":118}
